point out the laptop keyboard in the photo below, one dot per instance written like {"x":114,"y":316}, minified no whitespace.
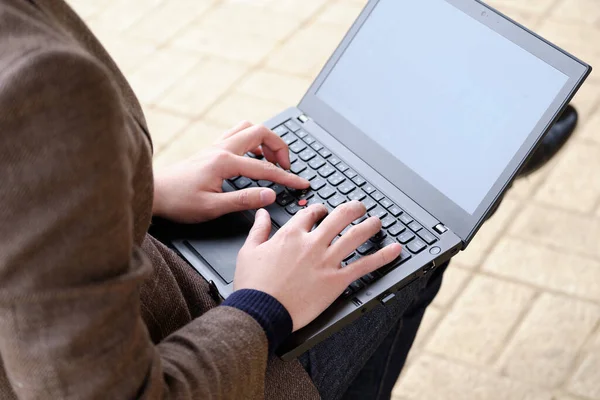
{"x":334,"y":183}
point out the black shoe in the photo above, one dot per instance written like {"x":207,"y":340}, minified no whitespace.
{"x":551,"y":144}
{"x":554,"y":140}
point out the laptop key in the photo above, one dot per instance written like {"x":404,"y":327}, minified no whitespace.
{"x":278,"y":214}
{"x":280,"y":130}
{"x":368,"y":278}
{"x":315,"y":200}
{"x":359,"y":220}
{"x":284,"y":199}
{"x":406,"y":237}
{"x":317,"y":146}
{"x":298,"y":167}
{"x":292,"y":126}
{"x":305,"y":195}
{"x":263,"y":183}
{"x":378,"y":212}
{"x":369,"y":203}
{"x":325,"y":153}
{"x":415,"y":226}
{"x":278,"y":189}
{"x":317,"y":184}
{"x":378,"y":237}
{"x":346,"y":187}
{"x":357,"y":195}
{"x":242,"y":183}
{"x":342,"y":167}
{"x":377,"y":196}
{"x":350,"y":173}
{"x":336,"y":179}
{"x":388,"y":221}
{"x":326,"y":192}
{"x":309,"y":140}
{"x":316,"y":163}
{"x":293,"y":208}
{"x":369,"y":189}
{"x":297,"y":147}
{"x":396,"y":229}
{"x":334,"y":161}
{"x":406,"y":219}
{"x":357,"y":285}
{"x":293,"y":158}
{"x":337,"y":200}
{"x":416,"y":246}
{"x":365,"y":247}
{"x":290,"y":138}
{"x":386,"y":203}
{"x":301,"y":134}
{"x":359,"y":180}
{"x":326,"y":171}
{"x":395,"y":210}
{"x":386,"y":242}
{"x":307,"y":174}
{"x":427,"y":236}
{"x":307,"y":155}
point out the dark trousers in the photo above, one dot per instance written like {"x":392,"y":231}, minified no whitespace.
{"x":364,"y":360}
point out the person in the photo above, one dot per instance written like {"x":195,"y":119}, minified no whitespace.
{"x":92,"y":306}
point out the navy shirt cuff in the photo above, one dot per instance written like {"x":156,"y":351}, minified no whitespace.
{"x":267,"y":311}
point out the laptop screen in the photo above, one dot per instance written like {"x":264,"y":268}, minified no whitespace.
{"x":447,"y":96}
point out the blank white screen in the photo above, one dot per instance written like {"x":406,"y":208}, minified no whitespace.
{"x":446,"y":95}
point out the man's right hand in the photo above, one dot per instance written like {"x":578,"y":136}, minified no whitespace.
{"x":300,"y":267}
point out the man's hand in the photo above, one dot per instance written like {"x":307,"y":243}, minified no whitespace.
{"x":300,"y":267}
{"x":190,"y":191}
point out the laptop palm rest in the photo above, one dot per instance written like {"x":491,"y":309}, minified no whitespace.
{"x":218,"y":242}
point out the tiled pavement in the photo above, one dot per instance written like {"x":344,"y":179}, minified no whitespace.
{"x":518,"y":316}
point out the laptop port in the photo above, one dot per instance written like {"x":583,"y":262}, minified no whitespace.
{"x":430,"y":267}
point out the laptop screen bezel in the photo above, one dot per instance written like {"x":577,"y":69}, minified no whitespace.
{"x":465,"y":225}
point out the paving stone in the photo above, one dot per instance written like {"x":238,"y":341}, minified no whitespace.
{"x":118,"y":15}
{"x":591,"y":128}
{"x":170,"y":17}
{"x":342,"y":13}
{"x":548,"y":340}
{"x":586,"y":381}
{"x":128,"y":53}
{"x":202,"y":87}
{"x":563,"y":230}
{"x":163,"y":127}
{"x":273,"y":85}
{"x":300,"y":56}
{"x":237,"y":106}
{"x":576,"y":174}
{"x":546,"y":268}
{"x":487,"y":236}
{"x":195,"y":138}
{"x":586,"y":11}
{"x":435,"y":378}
{"x":302,"y":10}
{"x":475,"y":328}
{"x":161,"y":71}
{"x":454,"y":281}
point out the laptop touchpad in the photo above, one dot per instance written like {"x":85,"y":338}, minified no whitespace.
{"x":218,"y":242}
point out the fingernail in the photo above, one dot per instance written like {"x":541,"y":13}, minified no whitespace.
{"x":259,"y":212}
{"x":266,"y":196}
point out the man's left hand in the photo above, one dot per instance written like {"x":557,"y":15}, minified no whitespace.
{"x":191,"y":191}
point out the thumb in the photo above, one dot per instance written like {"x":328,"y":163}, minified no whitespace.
{"x":261,"y":229}
{"x":247,"y":199}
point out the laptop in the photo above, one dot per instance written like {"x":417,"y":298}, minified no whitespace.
{"x":425,"y":113}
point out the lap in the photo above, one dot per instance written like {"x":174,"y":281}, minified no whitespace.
{"x":335,"y":363}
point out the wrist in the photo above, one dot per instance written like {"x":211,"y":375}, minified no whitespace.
{"x":270,"y":314}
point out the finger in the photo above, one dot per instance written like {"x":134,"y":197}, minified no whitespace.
{"x":371,"y":262}
{"x":255,"y":136}
{"x":241,"y":200}
{"x":240,"y":126}
{"x":307,"y":218}
{"x":356,"y":236}
{"x":269,"y":155}
{"x":339,"y":219}
{"x":263,"y":170}
{"x":260,"y":230}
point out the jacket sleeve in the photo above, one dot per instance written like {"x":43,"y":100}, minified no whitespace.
{"x":70,"y":324}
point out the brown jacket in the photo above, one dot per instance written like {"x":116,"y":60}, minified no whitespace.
{"x":91,"y":307}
